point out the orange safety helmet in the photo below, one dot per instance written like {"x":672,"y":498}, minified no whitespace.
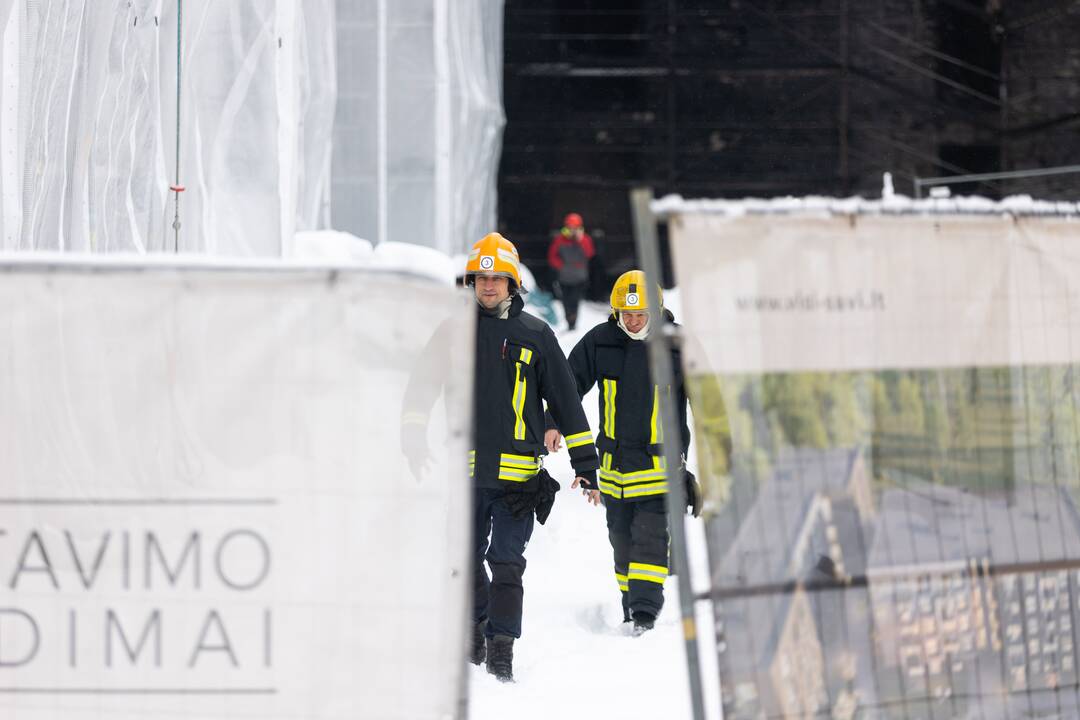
{"x":573,"y":220}
{"x":496,"y":256}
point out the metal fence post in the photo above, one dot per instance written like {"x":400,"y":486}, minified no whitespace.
{"x":659,"y":342}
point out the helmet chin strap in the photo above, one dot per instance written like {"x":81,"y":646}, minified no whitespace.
{"x":640,"y":334}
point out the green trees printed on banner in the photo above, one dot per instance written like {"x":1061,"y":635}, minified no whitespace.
{"x":713,"y":432}
{"x":985,"y":429}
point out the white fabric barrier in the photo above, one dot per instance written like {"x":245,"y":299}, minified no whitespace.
{"x":88,"y":122}
{"x":895,"y":533}
{"x":204,"y":506}
{"x":418,"y":131}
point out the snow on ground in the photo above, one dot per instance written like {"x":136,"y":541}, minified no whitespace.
{"x":576,"y":658}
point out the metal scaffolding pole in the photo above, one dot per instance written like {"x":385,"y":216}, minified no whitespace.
{"x":920,"y":183}
{"x":176,"y":188}
{"x":660,"y":340}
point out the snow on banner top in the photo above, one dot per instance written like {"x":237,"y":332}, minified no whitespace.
{"x":423,"y":264}
{"x":892,"y":205}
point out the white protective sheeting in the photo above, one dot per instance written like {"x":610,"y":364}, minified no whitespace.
{"x":419,"y":120}
{"x":89,"y":96}
{"x":205,"y":509}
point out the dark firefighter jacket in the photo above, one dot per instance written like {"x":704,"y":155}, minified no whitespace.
{"x":630,"y":435}
{"x":519,"y":366}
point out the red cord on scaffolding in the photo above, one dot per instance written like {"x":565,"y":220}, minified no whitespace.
{"x":176,"y":188}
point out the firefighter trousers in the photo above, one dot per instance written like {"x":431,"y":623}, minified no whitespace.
{"x":500,"y":539}
{"x":638,"y":532}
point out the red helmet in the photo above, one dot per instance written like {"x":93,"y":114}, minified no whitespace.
{"x":573,"y":220}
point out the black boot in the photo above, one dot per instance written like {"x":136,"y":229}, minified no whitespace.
{"x":500,"y":657}
{"x":478,"y":651}
{"x":643,"y":622}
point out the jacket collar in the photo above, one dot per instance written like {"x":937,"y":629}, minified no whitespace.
{"x":516,"y":305}
{"x":621,"y":332}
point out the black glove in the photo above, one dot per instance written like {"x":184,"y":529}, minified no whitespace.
{"x":548,"y":487}
{"x":693,"y":494}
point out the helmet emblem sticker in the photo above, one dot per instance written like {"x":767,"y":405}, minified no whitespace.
{"x":487,"y":262}
{"x":632,"y":299}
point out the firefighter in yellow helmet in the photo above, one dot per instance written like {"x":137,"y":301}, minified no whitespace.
{"x":633,"y":475}
{"x":519,"y":367}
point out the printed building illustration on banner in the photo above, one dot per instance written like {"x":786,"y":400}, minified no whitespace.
{"x":895,"y":531}
{"x":994,"y":616}
{"x":805,"y":525}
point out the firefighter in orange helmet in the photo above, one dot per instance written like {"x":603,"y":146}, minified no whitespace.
{"x":519,"y":367}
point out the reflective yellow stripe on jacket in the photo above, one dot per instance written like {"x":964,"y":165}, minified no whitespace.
{"x":610,"y":388}
{"x":521,"y":389}
{"x":515,"y":468}
{"x":578,"y":439}
{"x":625,"y":485}
{"x":656,"y":432}
{"x":639,"y":483}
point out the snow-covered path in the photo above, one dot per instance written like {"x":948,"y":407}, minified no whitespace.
{"x":576,"y":658}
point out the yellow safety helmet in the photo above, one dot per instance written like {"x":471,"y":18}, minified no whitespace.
{"x":630,"y":295}
{"x":496,"y":256}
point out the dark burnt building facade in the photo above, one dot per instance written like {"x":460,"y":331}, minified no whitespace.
{"x":731,"y":98}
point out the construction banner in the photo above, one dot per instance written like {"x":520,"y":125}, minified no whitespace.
{"x":889,"y":435}
{"x":205,"y":507}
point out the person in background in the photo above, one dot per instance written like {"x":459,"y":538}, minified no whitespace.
{"x":568,"y":257}
{"x":633,"y":475}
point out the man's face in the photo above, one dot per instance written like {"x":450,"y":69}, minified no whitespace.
{"x":577,"y":233}
{"x":491,"y":290}
{"x":635,"y":321}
